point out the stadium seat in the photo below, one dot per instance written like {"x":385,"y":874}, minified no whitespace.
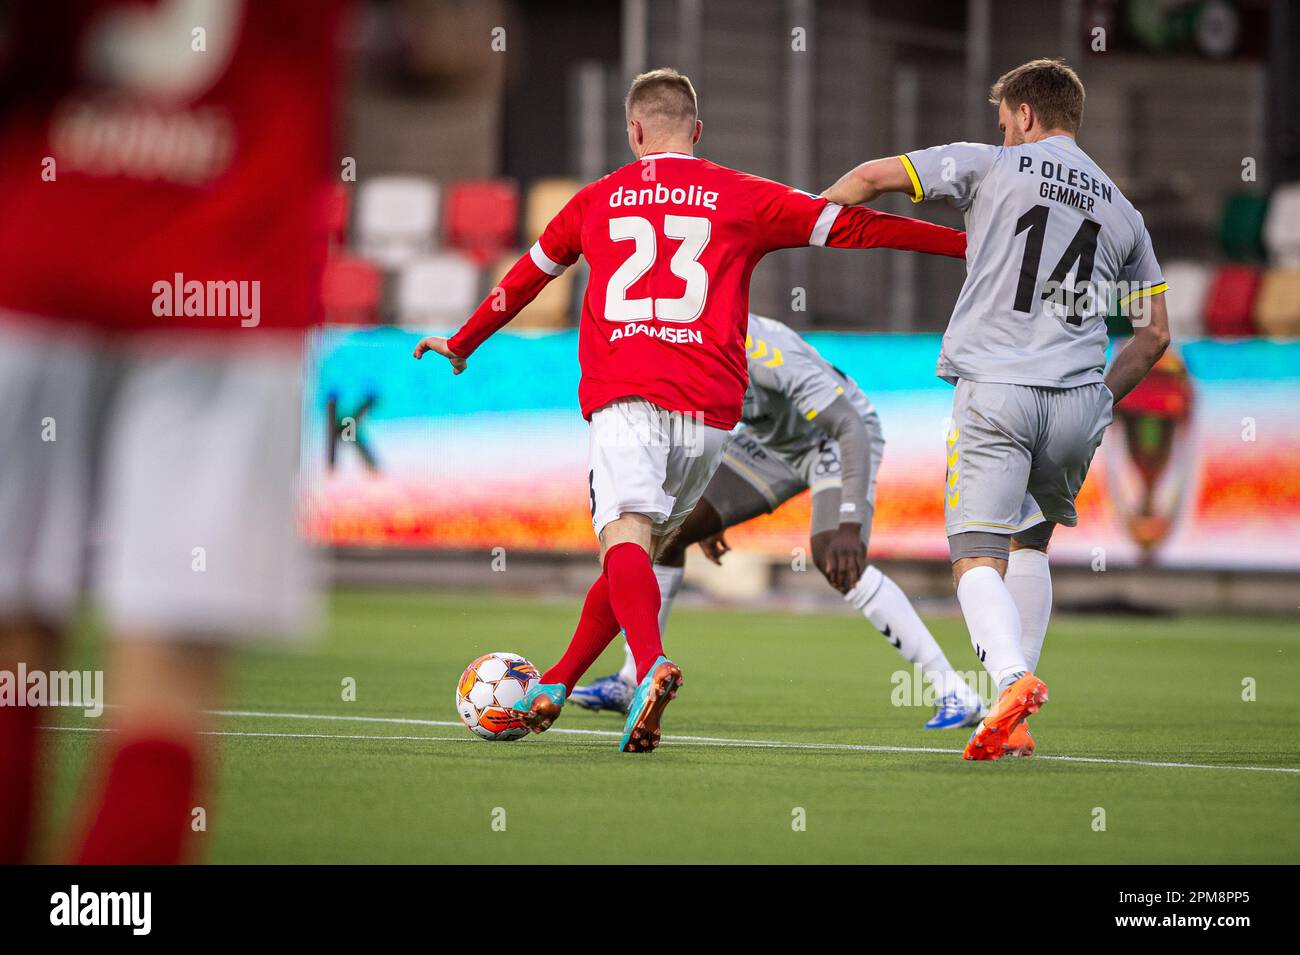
{"x":1241,"y":232}
{"x":1188,"y":284}
{"x":350,"y":290}
{"x":546,"y":197}
{"x":552,"y":308}
{"x":396,"y":219}
{"x":439,"y":290}
{"x":483,"y":217}
{"x":1230,"y":305}
{"x":1277,"y":309}
{"x":1282,"y":226}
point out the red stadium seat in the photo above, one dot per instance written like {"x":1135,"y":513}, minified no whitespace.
{"x":350,"y":291}
{"x":483,"y":217}
{"x":1230,"y":305}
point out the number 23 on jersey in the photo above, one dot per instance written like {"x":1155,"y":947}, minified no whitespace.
{"x":693,"y":234}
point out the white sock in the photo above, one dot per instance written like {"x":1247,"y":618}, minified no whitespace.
{"x":628,"y":673}
{"x":994,"y":623}
{"x":670,"y":582}
{"x":1029,"y":579}
{"x":883,"y":603}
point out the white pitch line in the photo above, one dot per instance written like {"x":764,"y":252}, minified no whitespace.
{"x":695,"y":740}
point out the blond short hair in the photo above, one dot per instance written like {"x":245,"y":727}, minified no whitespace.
{"x":1052,"y":90}
{"x":662,"y":94}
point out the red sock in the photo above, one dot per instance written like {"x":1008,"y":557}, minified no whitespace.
{"x":144,"y":812}
{"x":596,"y":628}
{"x":634,"y":595}
{"x":17,"y":780}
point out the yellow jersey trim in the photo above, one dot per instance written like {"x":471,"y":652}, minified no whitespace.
{"x":917,"y":192}
{"x":1144,"y":292}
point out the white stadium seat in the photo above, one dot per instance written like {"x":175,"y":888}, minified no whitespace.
{"x":439,"y":290}
{"x":1282,"y":226}
{"x":397,"y":217}
{"x":1188,"y":284}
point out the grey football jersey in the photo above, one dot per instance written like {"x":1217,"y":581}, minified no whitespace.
{"x":1051,"y":243}
{"x":789,"y":385}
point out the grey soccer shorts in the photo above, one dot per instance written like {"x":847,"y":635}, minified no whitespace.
{"x":1018,"y":454}
{"x":754,"y":479}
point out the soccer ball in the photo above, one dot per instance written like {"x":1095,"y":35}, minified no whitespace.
{"x":486,"y":691}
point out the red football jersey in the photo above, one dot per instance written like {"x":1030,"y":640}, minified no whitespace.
{"x":671,"y":241}
{"x":167,"y":165}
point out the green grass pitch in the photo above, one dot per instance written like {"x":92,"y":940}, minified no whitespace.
{"x":327,"y":786}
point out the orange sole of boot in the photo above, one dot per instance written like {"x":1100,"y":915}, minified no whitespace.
{"x":645,"y":731}
{"x":990,"y":738}
{"x":541,"y":716}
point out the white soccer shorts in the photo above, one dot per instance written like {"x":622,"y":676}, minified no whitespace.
{"x":645,"y":460}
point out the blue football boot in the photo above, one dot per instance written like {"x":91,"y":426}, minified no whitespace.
{"x":608,"y":693}
{"x":956,"y":710}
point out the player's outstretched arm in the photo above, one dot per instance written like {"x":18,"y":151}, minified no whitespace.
{"x":1150,"y":339}
{"x":556,"y":249}
{"x":786,"y":218}
{"x":868,"y":181}
{"x":857,"y":227}
{"x":520,"y":286}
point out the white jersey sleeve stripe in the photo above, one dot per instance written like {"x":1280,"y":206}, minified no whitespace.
{"x":544,"y":261}
{"x":827,"y":219}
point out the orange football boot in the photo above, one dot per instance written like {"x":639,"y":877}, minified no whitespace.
{"x":1027,"y":695}
{"x":1020,"y":742}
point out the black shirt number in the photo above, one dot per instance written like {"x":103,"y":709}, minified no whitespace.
{"x":1082,"y":249}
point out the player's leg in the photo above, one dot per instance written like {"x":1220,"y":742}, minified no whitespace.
{"x":614,"y":692}
{"x":695,"y":451}
{"x":149,"y":777}
{"x":50,"y":386}
{"x":989,"y":457}
{"x":598,"y":621}
{"x":1029,"y":578}
{"x":990,"y":451}
{"x":1077,"y":420}
{"x":34,"y":645}
{"x":199,"y":497}
{"x":630,"y":443}
{"x":747,"y":483}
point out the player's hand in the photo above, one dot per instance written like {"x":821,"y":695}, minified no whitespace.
{"x":434,"y":343}
{"x":714,"y":547}
{"x":846,"y":557}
